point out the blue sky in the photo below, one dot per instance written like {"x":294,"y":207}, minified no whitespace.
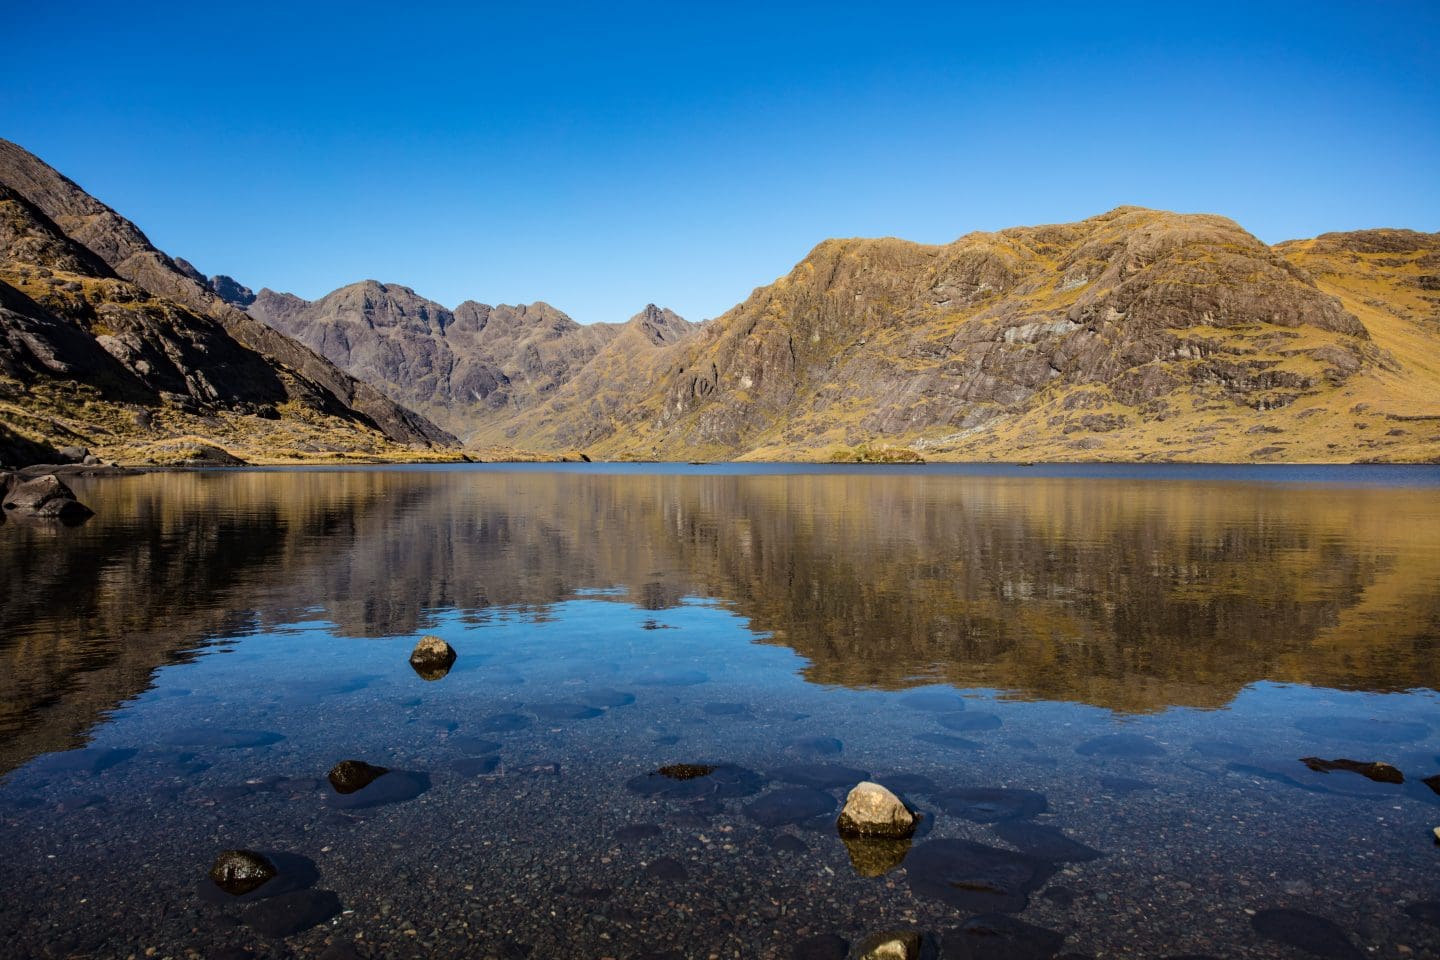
{"x":602,"y":158}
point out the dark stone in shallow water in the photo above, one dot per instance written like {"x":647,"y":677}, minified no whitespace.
{"x":998,"y":937}
{"x":237,"y":872}
{"x":565,"y":711}
{"x":475,"y":766}
{"x":222,"y":739}
{"x":975,"y":877}
{"x":816,"y":746}
{"x":1293,"y":773}
{"x":1433,"y":782}
{"x":1363,"y":729}
{"x":348,"y":776}
{"x":1220,"y":749}
{"x":608,"y":698}
{"x":969,"y":722}
{"x":1128,"y":745}
{"x":1370,"y":770}
{"x":291,"y":913}
{"x":292,"y":872}
{"x":505,"y":723}
{"x":821,"y":776}
{"x":1047,"y":843}
{"x":689,"y":782}
{"x":394,"y":786}
{"x":1426,"y":911}
{"x":992,"y":804}
{"x":906,"y":783}
{"x":636,"y":832}
{"x":1305,"y":931}
{"x":934,"y":700}
{"x":1124,"y":785}
{"x":91,"y":760}
{"x":666,"y":868}
{"x":672,"y":678}
{"x":946,"y":740}
{"x":790,"y":805}
{"x":725,"y":709}
{"x":474,"y":746}
{"x":822,"y":946}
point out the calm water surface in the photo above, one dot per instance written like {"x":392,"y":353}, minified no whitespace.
{"x":1097,"y":685}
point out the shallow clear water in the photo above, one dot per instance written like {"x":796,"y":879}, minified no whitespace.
{"x":1138,"y":658}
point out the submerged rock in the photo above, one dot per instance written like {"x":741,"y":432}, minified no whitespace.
{"x":432,"y":658}
{"x":348,"y":776}
{"x":1305,"y":931}
{"x":821,"y":776}
{"x":1373,"y":770}
{"x":697,"y":781}
{"x":975,"y":877}
{"x":999,"y":937}
{"x":992,"y":804}
{"x":1045,"y":842}
{"x":790,"y":805}
{"x":565,"y":711}
{"x":1433,"y":782}
{"x":392,"y":786}
{"x":822,"y":946}
{"x":970,"y":722}
{"x":237,"y":872}
{"x":44,"y":498}
{"x":291,"y":913}
{"x":871,"y":810}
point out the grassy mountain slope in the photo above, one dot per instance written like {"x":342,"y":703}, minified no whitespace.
{"x":1138,"y":334}
{"x":107,"y":343}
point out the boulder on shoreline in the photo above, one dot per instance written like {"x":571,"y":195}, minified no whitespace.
{"x":42,"y":498}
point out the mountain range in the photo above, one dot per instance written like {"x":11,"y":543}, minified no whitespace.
{"x":1134,"y":335}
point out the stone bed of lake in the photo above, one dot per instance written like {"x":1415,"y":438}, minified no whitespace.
{"x":1098,"y":687}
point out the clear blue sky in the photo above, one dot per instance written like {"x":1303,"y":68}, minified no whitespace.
{"x":600,"y":158}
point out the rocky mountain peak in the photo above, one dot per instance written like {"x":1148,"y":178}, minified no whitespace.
{"x":232,"y":291}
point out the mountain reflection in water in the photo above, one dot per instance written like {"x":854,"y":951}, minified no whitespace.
{"x":1130,"y":594}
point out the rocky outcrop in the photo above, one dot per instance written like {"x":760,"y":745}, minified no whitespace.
{"x":232,"y":291}
{"x":86,"y":266}
{"x":43,"y":498}
{"x":1137,"y":333}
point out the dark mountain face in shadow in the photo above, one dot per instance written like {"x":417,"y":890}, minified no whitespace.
{"x":1124,"y":594}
